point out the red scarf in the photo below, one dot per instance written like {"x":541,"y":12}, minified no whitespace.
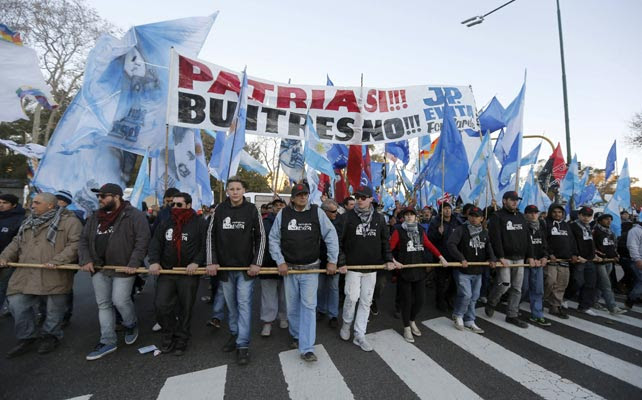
{"x":180,"y":217}
{"x":107,"y":219}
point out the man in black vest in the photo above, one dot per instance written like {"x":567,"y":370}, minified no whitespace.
{"x":295,"y":244}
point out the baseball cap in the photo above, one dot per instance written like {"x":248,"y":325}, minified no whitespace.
{"x":408,"y":210}
{"x":300,"y":188}
{"x":364,"y":191}
{"x":109,"y":188}
{"x":511,"y":195}
{"x":531,"y":209}
{"x":586,"y":211}
{"x":476,"y":211}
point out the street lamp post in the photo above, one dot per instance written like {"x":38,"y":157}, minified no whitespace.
{"x":479,"y":19}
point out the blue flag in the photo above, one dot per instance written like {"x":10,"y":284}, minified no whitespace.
{"x":451,"y":149}
{"x":492,"y":118}
{"x":498,"y":150}
{"x":621,"y":199}
{"x":478,"y":173}
{"x":588,"y":195}
{"x":533,"y":194}
{"x":315,"y":153}
{"x":377,"y":172}
{"x":611,"y":158}
{"x":252,"y":164}
{"x":510,"y":164}
{"x":531,"y":158}
{"x":571,"y":182}
{"x":399,"y":151}
{"x":142,"y":188}
{"x":328,"y":82}
{"x":514,"y":119}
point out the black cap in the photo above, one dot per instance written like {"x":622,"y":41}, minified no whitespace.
{"x":511,"y":195}
{"x":476,"y":211}
{"x":603,"y":216}
{"x":171,"y":192}
{"x":111,"y":188}
{"x":532,"y":208}
{"x":408,"y":210}
{"x":363,"y":191}
{"x":586,"y":211}
{"x":300,"y":188}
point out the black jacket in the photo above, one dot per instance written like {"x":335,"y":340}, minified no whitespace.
{"x":268,"y":261}
{"x":583,"y":240}
{"x":127,"y":244}
{"x":364,"y":248}
{"x":538,"y":240}
{"x":441,"y":240}
{"x":10,"y":221}
{"x":163,"y":251}
{"x":237,"y":236}
{"x":337,"y":223}
{"x":509,"y":235}
{"x":605,"y":244}
{"x":462,"y":248}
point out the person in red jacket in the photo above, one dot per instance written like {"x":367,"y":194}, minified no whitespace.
{"x":407,"y":243}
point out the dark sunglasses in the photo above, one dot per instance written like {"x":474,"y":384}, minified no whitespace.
{"x":179,"y":205}
{"x":103,"y":195}
{"x":360,"y":197}
{"x":332,"y":211}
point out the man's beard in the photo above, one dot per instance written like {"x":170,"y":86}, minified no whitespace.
{"x":111,"y":206}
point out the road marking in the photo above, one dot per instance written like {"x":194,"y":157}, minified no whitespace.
{"x":313,"y":380}
{"x":602,"y":331}
{"x":205,"y":384}
{"x":636,"y":307}
{"x":418,"y":371}
{"x":535,"y":378}
{"x":620,"y":318}
{"x":603,"y":362}
{"x":85,"y":397}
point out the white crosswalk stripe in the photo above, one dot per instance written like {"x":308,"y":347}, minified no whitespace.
{"x":85,"y":397}
{"x":411,"y":365}
{"x":537,"y":379}
{"x":200,"y":385}
{"x":313,"y":380}
{"x":614,"y":335}
{"x":636,"y":307}
{"x":620,"y":318}
{"x":593,"y":358}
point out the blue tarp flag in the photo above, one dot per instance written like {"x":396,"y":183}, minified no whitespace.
{"x":514,"y":119}
{"x":399,"y":151}
{"x":571,"y":182}
{"x":509,"y":166}
{"x":315,"y":153}
{"x":227,"y":155}
{"x":492,"y":118}
{"x":122,"y":103}
{"x":252,"y":164}
{"x":611,"y":159}
{"x":142,"y":188}
{"x":291,"y":159}
{"x":531,"y":158}
{"x":451,"y":148}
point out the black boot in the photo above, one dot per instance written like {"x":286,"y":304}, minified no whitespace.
{"x":23,"y":346}
{"x":48,"y":344}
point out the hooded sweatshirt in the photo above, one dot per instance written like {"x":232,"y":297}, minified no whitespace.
{"x":508,"y":232}
{"x":584,"y":239}
{"x":559,"y":239}
{"x":10,"y":221}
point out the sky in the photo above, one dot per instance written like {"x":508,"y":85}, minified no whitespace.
{"x":424,"y":42}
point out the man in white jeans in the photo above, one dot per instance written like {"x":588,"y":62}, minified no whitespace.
{"x":363,"y":241}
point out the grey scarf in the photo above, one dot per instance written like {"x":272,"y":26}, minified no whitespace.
{"x":413,"y":232}
{"x":586,"y":229}
{"x":35,"y":221}
{"x":604,"y":229}
{"x":534,"y":225}
{"x":474,"y":230}
{"x":365,"y":216}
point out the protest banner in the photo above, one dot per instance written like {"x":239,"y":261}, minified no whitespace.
{"x":204,"y":95}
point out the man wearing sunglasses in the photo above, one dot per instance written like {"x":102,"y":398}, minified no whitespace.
{"x":177,"y":242}
{"x":364,"y":241}
{"x":116,"y":234}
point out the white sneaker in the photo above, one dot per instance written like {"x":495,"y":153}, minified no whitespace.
{"x":483,"y":300}
{"x":345,"y":332}
{"x":564,"y":304}
{"x":156,"y":327}
{"x":407,"y":334}
{"x":471,"y":326}
{"x":283,"y":324}
{"x":363,"y":343}
{"x":415,"y":330}
{"x":589,"y":311}
{"x":267,"y":330}
{"x":459,"y":323}
{"x":617,"y":311}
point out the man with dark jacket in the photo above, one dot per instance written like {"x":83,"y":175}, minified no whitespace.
{"x":605,"y":246}
{"x":533,"y":285}
{"x":584,"y":273}
{"x":236,"y":238}
{"x":328,"y":293}
{"x":511,"y":244}
{"x":364,"y":241}
{"x":178,"y":242}
{"x":439,"y":231}
{"x":117,"y":234}
{"x":11,"y":216}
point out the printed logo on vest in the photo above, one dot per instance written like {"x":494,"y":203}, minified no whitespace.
{"x":510,"y":226}
{"x":365,"y":232}
{"x":536,"y":240}
{"x":555,"y":231}
{"x":229,"y":224}
{"x":476,"y":243}
{"x":301,"y":226}
{"x":607,"y":242}
{"x":410,"y":246}
{"x":4,"y":229}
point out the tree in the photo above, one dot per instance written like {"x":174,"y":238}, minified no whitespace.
{"x":635,"y":138}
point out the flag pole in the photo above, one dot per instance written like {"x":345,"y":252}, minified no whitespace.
{"x":238,"y":109}
{"x":443,"y":184}
{"x":166,"y":157}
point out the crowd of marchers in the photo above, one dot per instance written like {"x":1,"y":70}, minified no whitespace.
{"x":486,"y":256}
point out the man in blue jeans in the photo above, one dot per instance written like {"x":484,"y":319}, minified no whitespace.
{"x":584,"y":274}
{"x":295,"y":244}
{"x":117,"y":234}
{"x":236,"y":238}
{"x":533,"y":286}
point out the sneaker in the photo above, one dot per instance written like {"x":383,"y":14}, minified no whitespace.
{"x":267,"y":329}
{"x":471,"y":326}
{"x":489,"y":310}
{"x":565,"y":304}
{"x":413,"y":328}
{"x":47,"y":344}
{"x":101,"y":350}
{"x":5,"y":312}
{"x":540,"y":321}
{"x":180,"y":349}
{"x":214,"y":322}
{"x":23,"y":346}
{"x":207,"y":299}
{"x":407,"y":334}
{"x":459,"y":323}
{"x":283,"y":324}
{"x":230,"y":345}
{"x":517,"y":322}
{"x":294,"y":344}
{"x":483,"y":300}
{"x":333,"y":322}
{"x":156,"y":327}
{"x":558,"y":312}
{"x":131,"y":334}
{"x":363,"y":343}
{"x":167,"y":345}
{"x":374,"y":309}
{"x":309,"y":357}
{"x":345,"y":332}
{"x":588,"y":311}
{"x":617,"y":311}
{"x":242,"y":356}
{"x":599,"y":307}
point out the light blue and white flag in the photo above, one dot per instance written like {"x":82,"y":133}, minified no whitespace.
{"x":291,"y":159}
{"x":252,"y":164}
{"x":514,"y":119}
{"x":621,"y":199}
{"x":492,"y":118}
{"x":142,"y":187}
{"x":533,"y":194}
{"x":315,"y":152}
{"x":510,"y":165}
{"x":531,"y":158}
{"x":571,"y":182}
{"x":478,"y":173}
{"x":313,"y":181}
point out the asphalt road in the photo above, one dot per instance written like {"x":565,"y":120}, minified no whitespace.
{"x":615,"y":361}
